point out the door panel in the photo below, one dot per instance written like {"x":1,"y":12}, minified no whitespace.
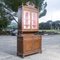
{"x":36,"y":43}
{"x":28,"y":44}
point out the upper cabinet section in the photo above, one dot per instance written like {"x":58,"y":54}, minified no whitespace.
{"x":28,"y":19}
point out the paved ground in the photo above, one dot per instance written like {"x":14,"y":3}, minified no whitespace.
{"x":50,"y":48}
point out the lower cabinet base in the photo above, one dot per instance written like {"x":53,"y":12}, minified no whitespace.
{"x":28,"y":53}
{"x":28,"y":45}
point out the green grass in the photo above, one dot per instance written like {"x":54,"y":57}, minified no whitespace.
{"x":57,"y":31}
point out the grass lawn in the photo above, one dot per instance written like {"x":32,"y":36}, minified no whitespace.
{"x":56,"y":31}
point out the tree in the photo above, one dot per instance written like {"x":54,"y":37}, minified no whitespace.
{"x":3,"y":20}
{"x":57,"y":24}
{"x":5,"y":15}
{"x":8,"y":9}
{"x":50,"y":25}
{"x":43,"y":26}
{"x":14,"y":4}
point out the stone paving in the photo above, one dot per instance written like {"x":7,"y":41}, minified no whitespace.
{"x":50,"y":48}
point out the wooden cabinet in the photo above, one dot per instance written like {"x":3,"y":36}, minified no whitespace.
{"x":29,"y":44}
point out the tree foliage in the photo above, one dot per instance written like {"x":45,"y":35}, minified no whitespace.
{"x":50,"y":25}
{"x":3,"y":19}
{"x":5,"y":15}
{"x":7,"y":7}
{"x":14,"y":4}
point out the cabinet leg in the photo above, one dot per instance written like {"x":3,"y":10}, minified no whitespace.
{"x":40,"y":51}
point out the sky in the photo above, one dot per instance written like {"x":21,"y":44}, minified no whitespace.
{"x":53,"y":11}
